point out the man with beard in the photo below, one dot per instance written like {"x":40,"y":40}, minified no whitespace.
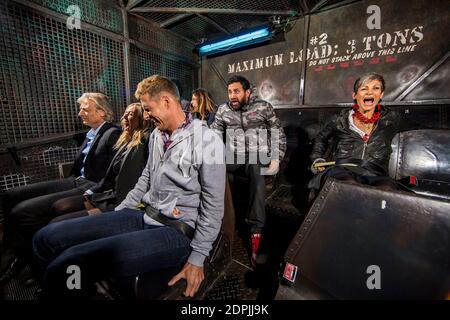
{"x":255,"y":137}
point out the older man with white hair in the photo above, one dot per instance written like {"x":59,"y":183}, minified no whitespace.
{"x":28,"y":208}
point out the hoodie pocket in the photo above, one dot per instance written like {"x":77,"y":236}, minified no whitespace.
{"x":167,"y":202}
{"x":186,"y":161}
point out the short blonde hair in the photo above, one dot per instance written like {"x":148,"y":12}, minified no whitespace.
{"x":154,"y":85}
{"x":101,"y":102}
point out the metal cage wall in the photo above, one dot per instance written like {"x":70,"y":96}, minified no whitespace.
{"x":45,"y":67}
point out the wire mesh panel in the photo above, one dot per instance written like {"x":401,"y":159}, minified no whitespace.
{"x":224,"y":4}
{"x":141,"y":31}
{"x":236,"y":23}
{"x":156,"y":16}
{"x":105,"y":14}
{"x":35,"y":164}
{"x":145,"y":63}
{"x":13,"y":180}
{"x":45,"y":67}
{"x":196,"y":28}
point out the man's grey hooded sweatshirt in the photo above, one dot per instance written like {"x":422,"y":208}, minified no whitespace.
{"x":190,"y":176}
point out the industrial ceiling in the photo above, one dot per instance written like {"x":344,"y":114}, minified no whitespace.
{"x":202,"y":20}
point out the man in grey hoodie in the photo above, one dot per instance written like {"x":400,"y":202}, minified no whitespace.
{"x":182,"y":190}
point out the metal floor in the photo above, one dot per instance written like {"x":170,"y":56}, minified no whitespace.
{"x":240,"y":281}
{"x":17,"y":289}
{"x":233,"y":285}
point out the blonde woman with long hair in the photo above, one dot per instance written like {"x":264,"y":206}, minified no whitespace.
{"x":123,"y":172}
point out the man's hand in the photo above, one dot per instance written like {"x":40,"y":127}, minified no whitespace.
{"x":273,"y":168}
{"x":194,"y":276}
{"x":94,"y":211}
{"x":316,"y":169}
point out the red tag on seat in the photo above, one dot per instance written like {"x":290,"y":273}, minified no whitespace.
{"x":290,"y":272}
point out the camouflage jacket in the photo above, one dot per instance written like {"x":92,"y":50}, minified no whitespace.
{"x":252,"y":129}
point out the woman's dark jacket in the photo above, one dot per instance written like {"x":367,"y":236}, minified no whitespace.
{"x":209,"y":118}
{"x":372,"y":155}
{"x":113,"y":188}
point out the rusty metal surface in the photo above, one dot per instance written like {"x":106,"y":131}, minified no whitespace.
{"x":405,"y":235}
{"x":437,"y":81}
{"x":273,"y":69}
{"x":400,"y":60}
{"x":336,"y":47}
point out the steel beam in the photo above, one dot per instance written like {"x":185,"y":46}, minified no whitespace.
{"x":214,"y":11}
{"x":132,"y":3}
{"x":40,"y":141}
{"x":126,"y":53}
{"x":422,"y":77}
{"x":167,"y":23}
{"x":319,"y":5}
{"x":307,"y":21}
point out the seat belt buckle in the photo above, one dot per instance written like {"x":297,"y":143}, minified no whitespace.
{"x":141,"y":206}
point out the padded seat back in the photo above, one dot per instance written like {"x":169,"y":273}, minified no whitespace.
{"x":352,"y":229}
{"x":422,"y":153}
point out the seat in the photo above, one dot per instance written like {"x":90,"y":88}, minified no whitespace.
{"x":64,"y":169}
{"x":350,"y":228}
{"x":419,"y":153}
{"x":423,"y":154}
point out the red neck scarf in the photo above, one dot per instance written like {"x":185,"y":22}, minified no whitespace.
{"x":357,"y":114}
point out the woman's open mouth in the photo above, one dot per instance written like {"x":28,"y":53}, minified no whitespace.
{"x":368,"y":101}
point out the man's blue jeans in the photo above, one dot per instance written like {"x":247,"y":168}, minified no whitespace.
{"x":111,"y":244}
